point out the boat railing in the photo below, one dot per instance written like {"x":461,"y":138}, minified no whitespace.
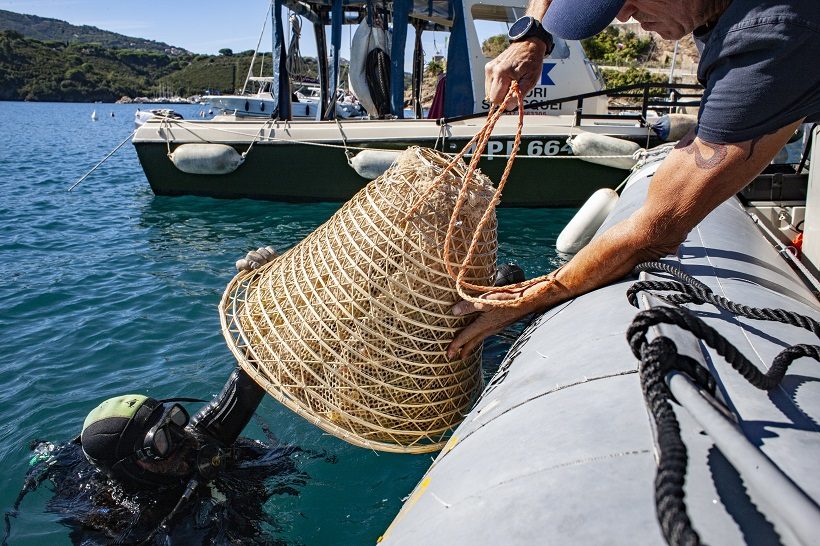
{"x":662,"y":97}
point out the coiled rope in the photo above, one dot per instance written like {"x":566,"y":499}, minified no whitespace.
{"x":377,"y":75}
{"x":295,"y":63}
{"x":660,"y":356}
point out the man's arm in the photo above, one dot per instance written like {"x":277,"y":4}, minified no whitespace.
{"x":520,"y":62}
{"x":693,"y":180}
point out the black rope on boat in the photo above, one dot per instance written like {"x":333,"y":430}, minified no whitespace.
{"x":657,"y":359}
{"x":693,"y":291}
{"x":670,"y":269}
{"x":660,"y":357}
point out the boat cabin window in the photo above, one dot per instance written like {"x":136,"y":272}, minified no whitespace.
{"x":492,"y":23}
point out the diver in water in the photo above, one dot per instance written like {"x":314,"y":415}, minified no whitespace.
{"x":143,"y":472}
{"x":143,"y":442}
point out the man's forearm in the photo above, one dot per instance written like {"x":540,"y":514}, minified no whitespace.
{"x":537,"y":8}
{"x":691,"y":182}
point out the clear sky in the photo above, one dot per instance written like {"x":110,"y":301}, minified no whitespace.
{"x":198,"y":26}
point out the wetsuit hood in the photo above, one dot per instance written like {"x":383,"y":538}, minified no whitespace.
{"x":114,"y":432}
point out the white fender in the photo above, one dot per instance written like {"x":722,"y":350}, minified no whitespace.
{"x":579,"y":231}
{"x":673,"y":127}
{"x":206,"y":159}
{"x":371,"y":164}
{"x":589,"y":145}
{"x":365,"y":39}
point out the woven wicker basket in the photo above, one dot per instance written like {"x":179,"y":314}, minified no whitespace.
{"x":349,"y":328}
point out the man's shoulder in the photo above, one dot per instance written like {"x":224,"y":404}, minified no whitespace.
{"x":747,"y":15}
{"x":758,"y":69}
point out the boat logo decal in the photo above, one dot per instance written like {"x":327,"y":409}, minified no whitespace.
{"x":545,"y":71}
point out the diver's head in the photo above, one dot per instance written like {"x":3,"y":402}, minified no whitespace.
{"x":139,"y":441}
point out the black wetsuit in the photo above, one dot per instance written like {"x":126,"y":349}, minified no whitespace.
{"x":228,"y":509}
{"x":224,"y":417}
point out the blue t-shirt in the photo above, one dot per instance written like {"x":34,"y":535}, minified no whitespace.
{"x":760,"y":65}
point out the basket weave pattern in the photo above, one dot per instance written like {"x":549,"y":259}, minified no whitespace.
{"x":349,"y":328}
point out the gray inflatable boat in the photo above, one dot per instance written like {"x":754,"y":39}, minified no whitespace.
{"x":562,"y":447}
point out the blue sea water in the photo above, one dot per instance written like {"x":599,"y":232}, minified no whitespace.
{"x":109,"y":290}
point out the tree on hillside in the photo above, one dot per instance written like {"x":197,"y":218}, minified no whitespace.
{"x":435,"y":67}
{"x":495,"y":45}
{"x":226,"y":51}
{"x":616,"y":46}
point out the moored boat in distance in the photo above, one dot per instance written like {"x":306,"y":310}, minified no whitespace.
{"x":569,"y":100}
{"x":260,"y":102}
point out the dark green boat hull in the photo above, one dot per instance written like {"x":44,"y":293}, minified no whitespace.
{"x":300,"y":172}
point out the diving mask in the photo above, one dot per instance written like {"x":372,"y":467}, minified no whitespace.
{"x":166,"y":435}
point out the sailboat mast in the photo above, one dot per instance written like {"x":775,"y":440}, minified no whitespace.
{"x":258,"y":43}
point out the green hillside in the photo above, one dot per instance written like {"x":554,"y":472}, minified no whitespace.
{"x":55,"y":71}
{"x":44,"y":29}
{"x":35,"y":70}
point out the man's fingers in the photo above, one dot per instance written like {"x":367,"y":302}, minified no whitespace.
{"x":467,"y":339}
{"x":256,"y":258}
{"x":498,"y":89}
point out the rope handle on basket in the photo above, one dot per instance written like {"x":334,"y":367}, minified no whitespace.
{"x":482,"y":137}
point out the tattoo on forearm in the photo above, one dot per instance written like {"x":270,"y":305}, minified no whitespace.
{"x":687,"y":144}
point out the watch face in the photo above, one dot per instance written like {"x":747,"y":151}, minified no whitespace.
{"x":520,"y":27}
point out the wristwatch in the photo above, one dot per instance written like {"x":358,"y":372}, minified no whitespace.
{"x":530,"y":27}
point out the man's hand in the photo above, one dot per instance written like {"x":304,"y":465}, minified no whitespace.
{"x":520,"y":62}
{"x":256,"y":258}
{"x":493,"y":319}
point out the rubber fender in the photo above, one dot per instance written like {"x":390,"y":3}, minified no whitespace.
{"x":673,"y":127}
{"x":206,"y":159}
{"x":580,"y":230}
{"x":371,"y":164}
{"x":588,"y":145}
{"x":365,"y":39}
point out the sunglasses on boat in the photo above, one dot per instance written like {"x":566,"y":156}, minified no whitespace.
{"x":166,"y":435}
